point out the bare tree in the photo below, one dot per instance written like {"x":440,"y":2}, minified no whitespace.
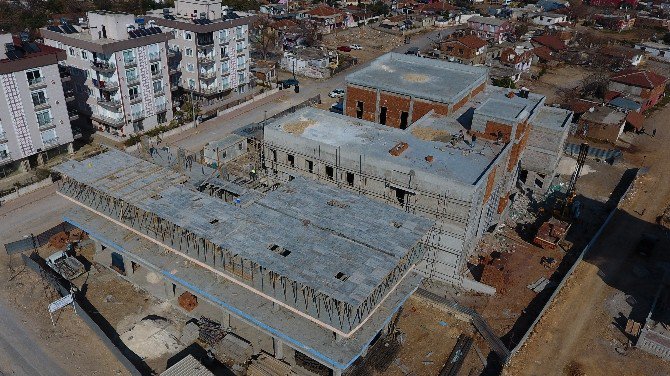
{"x":263,"y":37}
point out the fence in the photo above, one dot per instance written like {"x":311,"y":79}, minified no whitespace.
{"x":572,"y":269}
{"x":609,"y":154}
{"x":35,"y":241}
{"x":250,"y":129}
{"x":25,"y":190}
{"x":64,"y":287}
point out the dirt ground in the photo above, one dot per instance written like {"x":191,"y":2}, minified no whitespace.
{"x":375,"y":43}
{"x":581,"y":333}
{"x":556,"y":80}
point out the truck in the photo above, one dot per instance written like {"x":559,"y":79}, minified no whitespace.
{"x":65,"y":263}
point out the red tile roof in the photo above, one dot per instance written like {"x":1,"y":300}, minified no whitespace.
{"x":544,"y":53}
{"x":323,"y":11}
{"x":644,"y":78}
{"x":472,"y":41}
{"x":551,"y":41}
{"x":284,"y":24}
{"x":635,"y":119}
{"x":621,"y":51}
{"x":579,"y":106}
{"x":609,"y":95}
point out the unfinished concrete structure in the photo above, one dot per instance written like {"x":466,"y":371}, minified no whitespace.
{"x":303,"y":273}
{"x":655,"y":334}
{"x":457,"y":160}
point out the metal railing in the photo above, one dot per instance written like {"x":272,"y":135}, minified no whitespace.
{"x":106,"y":85}
{"x":47,"y":124}
{"x":208,"y":75}
{"x":108,"y":120}
{"x":51,"y":141}
{"x":161,"y":107}
{"x":102,"y":66}
{"x":206,"y":59}
{"x":35,"y":82}
{"x":137,"y":115}
{"x":154,"y":57}
{"x":3,"y":136}
{"x":129,"y":62}
{"x":111,"y":103}
{"x":130,"y":81}
{"x":159,"y":92}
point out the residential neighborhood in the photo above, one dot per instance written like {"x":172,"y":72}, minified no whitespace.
{"x":371,"y":187}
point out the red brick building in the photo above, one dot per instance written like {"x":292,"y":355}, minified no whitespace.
{"x":642,"y":86}
{"x":468,"y":49}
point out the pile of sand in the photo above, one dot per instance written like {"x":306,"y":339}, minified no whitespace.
{"x":430,"y":134}
{"x":152,"y":338}
{"x":298,"y":127}
{"x":415,"y":77}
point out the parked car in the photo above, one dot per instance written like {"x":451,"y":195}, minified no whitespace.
{"x":344,"y":48}
{"x":356,"y":47}
{"x":413,"y":51}
{"x":337,"y":108}
{"x":337,"y":93}
{"x":288,"y":83}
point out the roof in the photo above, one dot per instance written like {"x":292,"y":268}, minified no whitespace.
{"x":30,"y":50}
{"x":318,"y":225}
{"x":640,"y":78}
{"x":635,"y":119}
{"x":582,"y":105}
{"x":472,"y":41}
{"x":487,"y":20}
{"x":543,"y":53}
{"x":323,"y":11}
{"x":552,"y":118}
{"x":604,"y":115}
{"x":621,"y":51}
{"x":625,"y":103}
{"x":431,"y":79}
{"x":284,"y":24}
{"x":188,"y":366}
{"x":551,"y":41}
{"x":461,"y":164}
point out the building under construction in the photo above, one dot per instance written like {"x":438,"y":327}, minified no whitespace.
{"x":307,"y":273}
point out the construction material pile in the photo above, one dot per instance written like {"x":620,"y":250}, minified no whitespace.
{"x":211,"y":331}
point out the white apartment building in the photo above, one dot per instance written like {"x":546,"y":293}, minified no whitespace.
{"x":119,"y":71}
{"x":209,"y":54}
{"x":33,"y":114}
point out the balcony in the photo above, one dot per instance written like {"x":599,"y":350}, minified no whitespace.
{"x":157,"y":74}
{"x":205,"y":43}
{"x":135,"y":99}
{"x":206,"y":59}
{"x":3,"y":136}
{"x":129,"y":62}
{"x":5,"y":156}
{"x":37,"y":83}
{"x":132,"y":80}
{"x":111,"y":104}
{"x":42,"y":105}
{"x":43,"y":126}
{"x":173,"y":71}
{"x":171,"y":52}
{"x":64,"y":73}
{"x":103,"y":66}
{"x":154,"y":57}
{"x":73,"y":115}
{"x":159,"y":92}
{"x":106,"y":85}
{"x":115,"y":122}
{"x":51,"y":142}
{"x":135,"y":116}
{"x":161,"y":107}
{"x":69,"y":95}
{"x":210,"y":75}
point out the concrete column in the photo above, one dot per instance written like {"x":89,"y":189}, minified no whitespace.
{"x":40,"y":159}
{"x":98,"y":246}
{"x":279,"y":348}
{"x":70,"y":148}
{"x":337,"y":372}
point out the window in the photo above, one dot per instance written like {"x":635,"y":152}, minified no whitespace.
{"x":134,"y":92}
{"x":239,"y":32}
{"x":131,"y":74}
{"x":350,"y":179}
{"x":382,"y":116}
{"x":44,"y":118}
{"x":189,"y":67}
{"x":84,"y":55}
{"x":239,"y":147}
{"x":309,"y":165}
{"x":291,"y":160}
{"x":359,"y":109}
{"x":224,"y":66}
{"x":225,"y":83}
{"x":223,"y":34}
{"x":188,"y":52}
{"x":224,"y":51}
{"x":155,"y":69}
{"x":39,"y":97}
{"x":71,"y":51}
{"x":128,"y":57}
{"x":330,"y":172}
{"x":403,"y":119}
{"x":241,"y":78}
{"x":158,"y":86}
{"x":191,"y":83}
{"x":188,"y":36}
{"x":240,"y":62}
{"x":240,"y":46}
{"x":34,"y":77}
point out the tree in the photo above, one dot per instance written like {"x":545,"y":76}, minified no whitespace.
{"x":379,"y":8}
{"x":595,"y":85}
{"x":520,"y":30}
{"x":243,"y":5}
{"x":262,"y":36}
{"x":505,"y":82}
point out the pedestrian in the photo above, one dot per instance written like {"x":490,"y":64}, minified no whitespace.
{"x":653,"y":133}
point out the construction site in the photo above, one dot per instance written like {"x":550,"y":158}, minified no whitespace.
{"x":422,"y":233}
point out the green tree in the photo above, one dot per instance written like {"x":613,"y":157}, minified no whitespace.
{"x":379,"y":8}
{"x":505,"y":82}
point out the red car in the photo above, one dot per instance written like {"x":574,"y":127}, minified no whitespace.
{"x":344,"y":48}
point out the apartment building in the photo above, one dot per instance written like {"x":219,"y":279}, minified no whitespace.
{"x":209,"y":54}
{"x":118,"y":68}
{"x":34,"y":117}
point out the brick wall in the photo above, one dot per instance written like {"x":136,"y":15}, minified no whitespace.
{"x":395,"y":105}
{"x":492,"y":129}
{"x":367,"y":96}
{"x":422,"y":107}
{"x":489,"y":185}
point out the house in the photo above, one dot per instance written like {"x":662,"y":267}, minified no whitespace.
{"x":615,"y":22}
{"x":327,"y":18}
{"x":548,"y":19}
{"x":551,"y":5}
{"x":623,"y":54}
{"x":265,"y":72}
{"x":490,"y":28}
{"x":468,"y":49}
{"x":518,"y":59}
{"x":552,"y":42}
{"x":272,"y":9}
{"x":657,"y":50}
{"x":601,"y":123}
{"x":436,"y":8}
{"x":309,"y":62}
{"x":652,"y":22}
{"x":614,"y":3}
{"x":544,"y":55}
{"x":643,"y":86}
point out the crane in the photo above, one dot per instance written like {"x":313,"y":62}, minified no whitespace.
{"x":564,"y":205}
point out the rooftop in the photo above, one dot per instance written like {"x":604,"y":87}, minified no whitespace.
{"x":303,"y":219}
{"x":604,"y":115}
{"x":20,"y":54}
{"x":552,"y":118}
{"x":436,"y":80}
{"x":461,"y":162}
{"x":641,"y":78}
{"x":487,"y":20}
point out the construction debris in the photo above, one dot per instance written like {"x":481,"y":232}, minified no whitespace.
{"x":188,"y":301}
{"x":540,"y":284}
{"x":211,"y":331}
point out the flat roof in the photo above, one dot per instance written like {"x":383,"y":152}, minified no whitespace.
{"x":276,"y":320}
{"x":552,"y":118}
{"x":460,"y":162}
{"x":432,"y":79}
{"x":327,"y":231}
